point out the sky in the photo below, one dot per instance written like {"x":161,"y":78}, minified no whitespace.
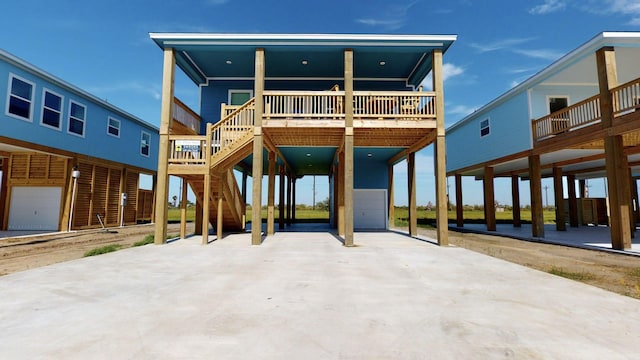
{"x":104,"y":48}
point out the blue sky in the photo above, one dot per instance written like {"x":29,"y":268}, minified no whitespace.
{"x":104,"y":48}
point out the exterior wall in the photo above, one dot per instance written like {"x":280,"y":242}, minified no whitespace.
{"x":370,"y":174}
{"x":510,"y":132}
{"x":96,"y":141}
{"x":540,"y":94}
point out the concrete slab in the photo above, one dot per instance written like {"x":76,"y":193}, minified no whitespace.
{"x":304,"y":295}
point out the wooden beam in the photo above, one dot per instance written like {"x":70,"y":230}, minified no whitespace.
{"x":206,"y":205}
{"x":293,"y":200}
{"x":220,"y":208}
{"x":573,"y":201}
{"x":411,"y":192}
{"x":442,"y":201}
{"x":340,"y":193}
{"x":271,"y":189}
{"x":390,"y":199}
{"x":256,"y":204}
{"x":281,"y":199}
{"x":558,"y":192}
{"x":459,"y":203}
{"x":348,"y":148}
{"x":183,"y":209}
{"x":288,"y":215}
{"x":166,"y":117}
{"x":535,"y":186}
{"x":515,"y":201}
{"x":489,"y":199}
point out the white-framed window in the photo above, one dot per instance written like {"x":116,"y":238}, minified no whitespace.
{"x":485,"y":127}
{"x":557,"y":103}
{"x":113,"y":127}
{"x":239,"y":97}
{"x":20,"y":98}
{"x":77,"y":118}
{"x":51,"y":109}
{"x":145,"y":144}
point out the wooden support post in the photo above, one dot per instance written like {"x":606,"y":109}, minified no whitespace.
{"x":166,"y":117}
{"x":244,"y":186}
{"x":634,"y":194}
{"x":515,"y":201}
{"x":288,"y":200}
{"x":348,"y":148}
{"x":616,"y":160}
{"x":340,"y":194}
{"x":206,"y":207}
{"x":293,"y":200}
{"x":582,"y":188}
{"x":489,"y":199}
{"x":271,"y":189}
{"x":535,"y":179}
{"x":198,"y":221}
{"x":573,"y":201}
{"x":459,"y":202}
{"x":183,"y":209}
{"x":411,"y":192}
{"x":442,"y":200}
{"x":558,"y":192}
{"x":67,"y":191}
{"x":281,"y":199}
{"x":256,"y":204}
{"x":390,"y":198}
{"x":220,"y":207}
{"x":632,"y":200}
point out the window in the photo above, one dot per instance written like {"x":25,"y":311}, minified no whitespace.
{"x":51,"y":109}
{"x":77,"y":117}
{"x":20,"y":98}
{"x":239,"y":97}
{"x":113,"y":127}
{"x":145,"y":144}
{"x":484,"y":128}
{"x":557,"y":103}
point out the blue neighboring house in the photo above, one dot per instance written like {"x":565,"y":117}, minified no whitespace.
{"x":67,"y":156}
{"x":575,"y":120}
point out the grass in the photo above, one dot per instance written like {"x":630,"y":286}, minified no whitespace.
{"x":103,"y":250}
{"x":147,"y":240}
{"x":578,"y":276}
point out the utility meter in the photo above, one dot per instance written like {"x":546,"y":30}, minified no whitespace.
{"x":123,"y":199}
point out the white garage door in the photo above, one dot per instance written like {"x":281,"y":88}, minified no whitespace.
{"x":370,"y":209}
{"x":34,"y":208}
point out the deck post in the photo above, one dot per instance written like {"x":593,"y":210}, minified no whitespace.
{"x":271,"y":188}
{"x":288,"y":199}
{"x":340,"y":193}
{"x":281,"y":199}
{"x":220,"y":207}
{"x":515,"y":201}
{"x":535,"y":180}
{"x":459,"y":202}
{"x":558,"y":192}
{"x":198,"y":220}
{"x":442,"y":200}
{"x":183,"y":209}
{"x":256,"y":204}
{"x":617,"y":167}
{"x":166,"y":117}
{"x":293,"y":200}
{"x":582,"y":188}
{"x":348,"y":147}
{"x":206,"y":207}
{"x":390,"y":198}
{"x":634,"y":194}
{"x":411,"y":191}
{"x":489,"y":199}
{"x":573,"y":201}
{"x":244,"y":186}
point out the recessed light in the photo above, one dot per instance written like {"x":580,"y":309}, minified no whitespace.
{"x":304,"y":62}
{"x":369,"y":155}
{"x":228,"y":62}
{"x":382,"y":63}
{"x":310,"y":165}
{"x":308,"y":154}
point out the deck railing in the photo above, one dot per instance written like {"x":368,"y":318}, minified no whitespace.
{"x":304,"y":104}
{"x":187,"y":149}
{"x":394,"y":105}
{"x":183,"y":114}
{"x":573,"y":117}
{"x":626,"y":97}
{"x":232,"y":127}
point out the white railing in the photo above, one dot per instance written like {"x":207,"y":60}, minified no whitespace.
{"x":579,"y":115}
{"x":186,"y":116}
{"x":187,"y":149}
{"x":394,"y":105}
{"x":626,"y":98}
{"x":304,"y":104}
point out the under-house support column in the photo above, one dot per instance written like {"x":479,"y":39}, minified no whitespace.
{"x":166,"y":117}
{"x":442,"y":201}
{"x":289,"y":199}
{"x":348,"y":147}
{"x":206,"y":205}
{"x":558,"y":192}
{"x":183,"y":209}
{"x":390,"y":198}
{"x":220,"y":208}
{"x":615,"y":158}
{"x":489,"y":199}
{"x":535,"y":180}
{"x":459,"y":202}
{"x":573,"y":201}
{"x":271,"y":189}
{"x":411,"y":191}
{"x":3,"y":192}
{"x":293,"y":200}
{"x":515,"y":201}
{"x":198,"y":220}
{"x":281,"y":199}
{"x":256,"y":203}
{"x":340,"y":193}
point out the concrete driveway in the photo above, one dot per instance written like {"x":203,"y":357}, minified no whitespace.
{"x":305,"y":296}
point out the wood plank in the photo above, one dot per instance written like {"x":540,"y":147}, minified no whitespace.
{"x":515,"y":201}
{"x":411,"y":193}
{"x":535,"y":187}
{"x":271,"y":188}
{"x":489,"y":199}
{"x":459,"y":203}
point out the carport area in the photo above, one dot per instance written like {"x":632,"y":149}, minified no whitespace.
{"x":305,"y":295}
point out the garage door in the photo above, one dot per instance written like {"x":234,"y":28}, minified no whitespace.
{"x":34,"y":208}
{"x":370,"y":209}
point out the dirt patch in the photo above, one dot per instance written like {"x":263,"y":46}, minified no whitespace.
{"x":618,"y":273}
{"x":18,"y":254}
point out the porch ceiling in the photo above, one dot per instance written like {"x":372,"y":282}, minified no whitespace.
{"x":205,"y":56}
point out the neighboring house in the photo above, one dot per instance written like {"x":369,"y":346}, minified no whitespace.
{"x":577,"y":119}
{"x":48,"y":129}
{"x":345,"y":106}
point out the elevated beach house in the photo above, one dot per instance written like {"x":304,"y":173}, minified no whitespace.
{"x":67,"y":156}
{"x":290,"y":105}
{"x":577,"y":119}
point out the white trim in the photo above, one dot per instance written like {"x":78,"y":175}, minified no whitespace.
{"x":193,"y":63}
{"x":84,"y":121}
{"x":235,"y":91}
{"x":308,"y":37}
{"x":109,"y":118}
{"x":247,"y":78}
{"x":530,"y":108}
{"x":142,"y":134}
{"x":549,"y":97}
{"x":43,"y":107}
{"x":31,"y":101}
{"x":567,"y":84}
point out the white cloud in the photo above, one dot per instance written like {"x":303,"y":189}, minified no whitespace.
{"x":388,"y":24}
{"x":549,"y":6}
{"x":620,"y":7}
{"x":500,"y":44}
{"x":449,"y":70}
{"x":460,"y":109}
{"x":129,"y":86}
{"x":545,"y":54}
{"x":394,"y":16}
{"x":216,"y":2}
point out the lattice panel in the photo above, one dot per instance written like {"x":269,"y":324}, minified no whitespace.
{"x":57,"y":167}
{"x":19,"y":166}
{"x":38,"y":166}
{"x":81,"y":216}
{"x":113,"y":200}
{"x":131,"y":187}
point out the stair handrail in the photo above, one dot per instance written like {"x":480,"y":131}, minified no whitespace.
{"x":218,"y":141}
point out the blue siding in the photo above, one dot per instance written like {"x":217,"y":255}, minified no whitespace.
{"x":510,"y":132}
{"x":539,"y":94}
{"x":96,"y":142}
{"x":370,"y":174}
